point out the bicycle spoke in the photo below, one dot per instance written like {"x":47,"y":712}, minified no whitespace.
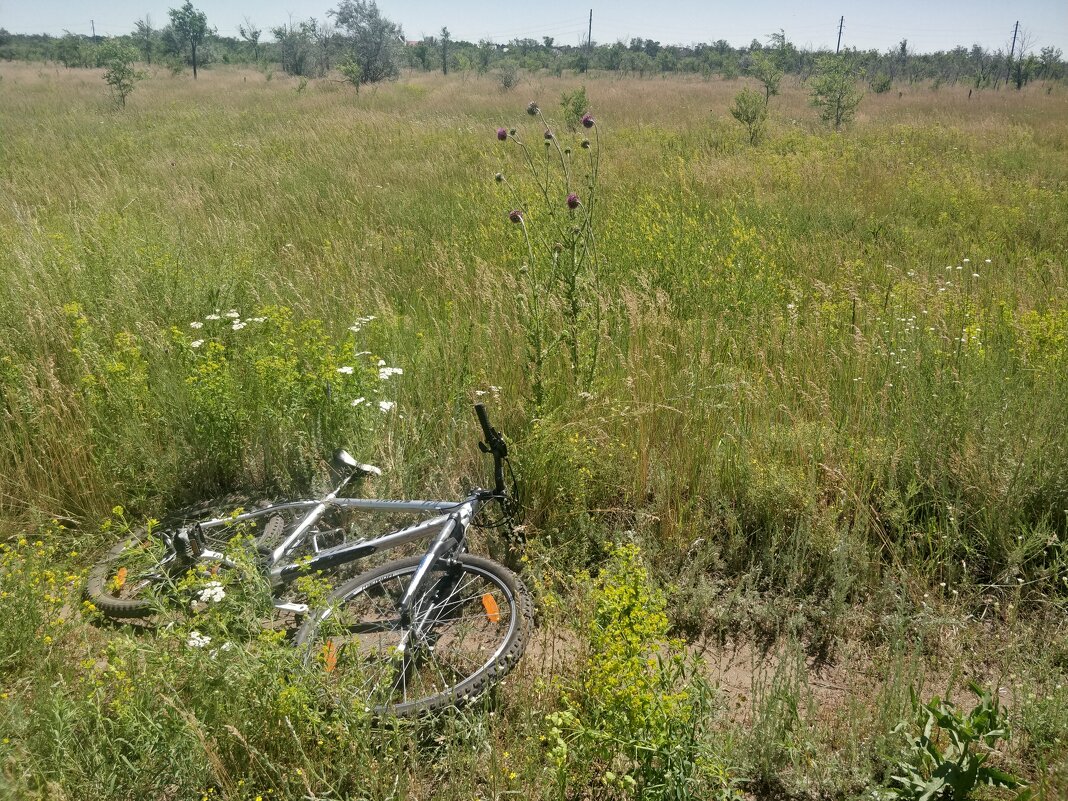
{"x":462,"y":618}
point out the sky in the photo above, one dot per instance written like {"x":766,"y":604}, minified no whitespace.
{"x":927,"y":24}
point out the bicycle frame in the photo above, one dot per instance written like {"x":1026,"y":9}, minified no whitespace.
{"x":448,"y":529}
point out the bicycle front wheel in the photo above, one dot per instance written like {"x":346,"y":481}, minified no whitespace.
{"x":467,"y":629}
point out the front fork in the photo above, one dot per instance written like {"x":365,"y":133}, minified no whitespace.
{"x":448,"y":542}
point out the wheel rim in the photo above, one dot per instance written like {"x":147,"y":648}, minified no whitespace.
{"x":460,"y":626}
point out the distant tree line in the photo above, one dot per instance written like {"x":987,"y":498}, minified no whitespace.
{"x":356,"y":41}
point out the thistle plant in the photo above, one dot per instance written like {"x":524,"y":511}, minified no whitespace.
{"x":949,"y":758}
{"x":559,"y":303}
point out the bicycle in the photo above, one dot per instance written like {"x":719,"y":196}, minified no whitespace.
{"x":414,"y":634}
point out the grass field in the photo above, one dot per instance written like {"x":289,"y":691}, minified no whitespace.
{"x":823,"y":443}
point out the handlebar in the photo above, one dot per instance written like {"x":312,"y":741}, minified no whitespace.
{"x":495,"y":445}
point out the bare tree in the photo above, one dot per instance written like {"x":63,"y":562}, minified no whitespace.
{"x":1023,"y":67}
{"x":251,"y":34}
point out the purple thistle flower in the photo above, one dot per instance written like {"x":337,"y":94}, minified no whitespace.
{"x":502,"y":134}
{"x":585,"y":144}
{"x":587,"y":120}
{"x":532,"y":108}
{"x":573,"y":201}
{"x":515,"y":215}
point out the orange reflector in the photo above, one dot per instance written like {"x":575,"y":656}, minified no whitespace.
{"x":330,"y":656}
{"x":493,"y":612}
{"x":120,"y":578}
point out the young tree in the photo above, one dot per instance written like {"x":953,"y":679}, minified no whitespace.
{"x":119,"y":73}
{"x":70,"y":51}
{"x":145,"y":36}
{"x":446,"y":37}
{"x":751,"y":110}
{"x":373,"y":42}
{"x":834,"y":91}
{"x":1050,"y":59}
{"x":294,"y":47}
{"x":190,"y":27}
{"x":765,"y":70}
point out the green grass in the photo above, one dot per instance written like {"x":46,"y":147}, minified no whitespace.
{"x":833,"y":444}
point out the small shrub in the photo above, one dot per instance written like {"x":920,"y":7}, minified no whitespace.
{"x":574,"y":105}
{"x":881,"y":83}
{"x":508,"y":76}
{"x":751,"y":111}
{"x":635,"y":723}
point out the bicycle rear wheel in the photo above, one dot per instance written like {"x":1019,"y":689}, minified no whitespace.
{"x":468,"y":629}
{"x":125,"y":583}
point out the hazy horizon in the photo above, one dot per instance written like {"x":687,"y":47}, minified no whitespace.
{"x":928,"y":27}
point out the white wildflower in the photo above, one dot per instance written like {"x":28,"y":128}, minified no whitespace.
{"x":381,"y":362}
{"x":259,"y":319}
{"x":359,"y":401}
{"x":237,"y":326}
{"x":222,"y":649}
{"x":212,"y":317}
{"x":385,"y":372}
{"x":213,"y":592}
{"x":233,"y":314}
{"x":386,"y":406}
{"x":196,"y":324}
{"x":346,"y":370}
{"x":197,"y":640}
{"x":196,"y":343}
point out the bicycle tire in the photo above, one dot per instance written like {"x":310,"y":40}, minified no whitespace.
{"x":493,"y":605}
{"x":123,"y":583}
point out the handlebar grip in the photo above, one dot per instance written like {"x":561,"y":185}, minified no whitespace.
{"x":483,"y":419}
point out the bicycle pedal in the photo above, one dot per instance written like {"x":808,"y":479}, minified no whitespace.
{"x":296,"y":609}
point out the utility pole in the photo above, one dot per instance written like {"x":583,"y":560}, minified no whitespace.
{"x":841,"y":22}
{"x":589,"y":33}
{"x":1012,"y":50}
